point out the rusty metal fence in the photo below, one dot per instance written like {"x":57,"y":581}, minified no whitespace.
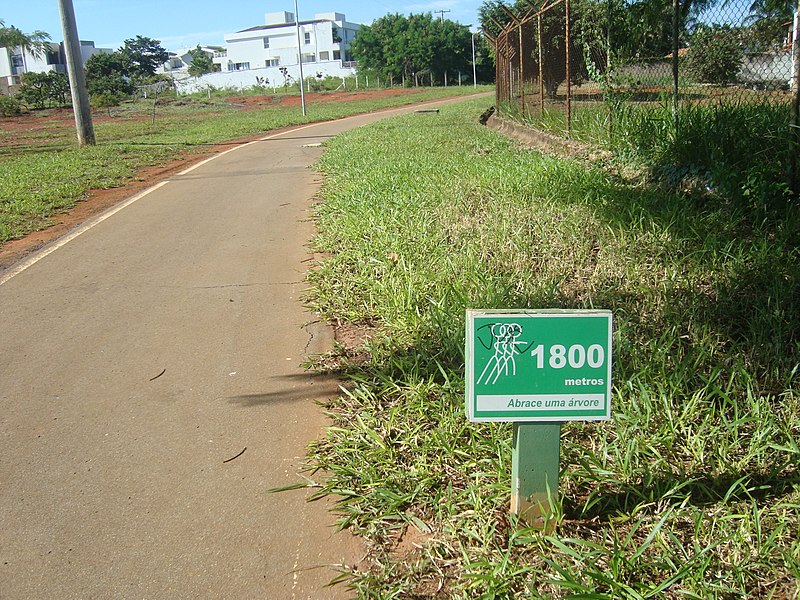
{"x":558,"y":61}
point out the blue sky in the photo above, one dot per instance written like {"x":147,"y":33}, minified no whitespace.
{"x":181,"y":23}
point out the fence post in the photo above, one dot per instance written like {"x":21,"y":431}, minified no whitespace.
{"x":795,"y":119}
{"x":521,"y":75}
{"x":541,"y":66}
{"x":676,"y":6}
{"x":569,"y":85}
{"x":497,"y":82}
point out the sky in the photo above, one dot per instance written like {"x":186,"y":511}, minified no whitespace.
{"x":186,"y":23}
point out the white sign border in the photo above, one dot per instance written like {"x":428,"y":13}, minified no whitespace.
{"x":469,"y":371}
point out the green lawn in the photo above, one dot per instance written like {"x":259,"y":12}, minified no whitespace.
{"x":692,"y":490}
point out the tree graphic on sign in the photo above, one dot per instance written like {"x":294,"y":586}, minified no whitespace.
{"x":506,"y":344}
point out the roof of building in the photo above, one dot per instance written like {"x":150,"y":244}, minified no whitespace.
{"x":278,"y":25}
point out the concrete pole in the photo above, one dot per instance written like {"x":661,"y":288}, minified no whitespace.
{"x":300,"y":56}
{"x":77,"y":80}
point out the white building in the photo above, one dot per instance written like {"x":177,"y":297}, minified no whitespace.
{"x":179,"y":61}
{"x":259,"y":53}
{"x":16,"y":61}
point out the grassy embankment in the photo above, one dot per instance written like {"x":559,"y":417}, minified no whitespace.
{"x":42,"y":173}
{"x":691,"y":491}
{"x":739,"y":148}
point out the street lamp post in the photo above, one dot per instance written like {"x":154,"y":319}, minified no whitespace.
{"x":300,"y":57}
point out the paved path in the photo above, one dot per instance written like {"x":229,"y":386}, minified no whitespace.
{"x":136,"y":360}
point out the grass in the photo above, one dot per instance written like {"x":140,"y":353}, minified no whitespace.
{"x":692,"y":490}
{"x":43,"y":172}
{"x":738,"y":150}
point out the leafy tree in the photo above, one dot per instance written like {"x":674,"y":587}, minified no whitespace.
{"x":33,"y":89}
{"x":201,"y":62}
{"x":767,"y":27}
{"x":143,"y":56}
{"x":58,"y":87}
{"x":108,"y":73}
{"x":715,"y":54}
{"x":484,"y":59}
{"x":41,"y":89}
{"x":36,"y":43}
{"x":553,"y":35}
{"x":396,"y":46}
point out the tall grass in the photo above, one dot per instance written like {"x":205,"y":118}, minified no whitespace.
{"x":691,"y":491}
{"x":740,"y":151}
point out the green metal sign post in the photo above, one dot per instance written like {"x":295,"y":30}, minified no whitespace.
{"x":537,"y":369}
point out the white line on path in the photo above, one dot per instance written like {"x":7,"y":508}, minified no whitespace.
{"x":62,"y":241}
{"x":49,"y":249}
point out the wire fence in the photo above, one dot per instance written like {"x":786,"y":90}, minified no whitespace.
{"x":576,"y":66}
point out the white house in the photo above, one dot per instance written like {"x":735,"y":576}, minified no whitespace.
{"x":16,"y":61}
{"x":258,"y":54}
{"x":179,"y":61}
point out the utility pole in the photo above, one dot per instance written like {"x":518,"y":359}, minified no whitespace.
{"x":77,"y":80}
{"x":441,"y":13}
{"x":300,"y":57}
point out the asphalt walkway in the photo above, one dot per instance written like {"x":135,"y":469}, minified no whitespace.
{"x":151,"y":391}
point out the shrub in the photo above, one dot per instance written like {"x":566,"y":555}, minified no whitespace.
{"x":715,"y":55}
{"x":9,"y":106}
{"x":106,"y":100}
{"x":41,"y":89}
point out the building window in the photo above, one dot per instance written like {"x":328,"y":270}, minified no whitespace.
{"x":266,"y":42}
{"x":324,"y":55}
{"x":17,"y":64}
{"x":307,"y":37}
{"x":243,"y":66}
{"x":273,"y":62}
{"x":309,"y":57}
{"x":337,"y":55}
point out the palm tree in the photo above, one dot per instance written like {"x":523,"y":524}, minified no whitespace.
{"x":36,"y":43}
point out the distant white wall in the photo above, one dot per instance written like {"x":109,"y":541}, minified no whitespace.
{"x":770,"y":67}
{"x":245,"y":79}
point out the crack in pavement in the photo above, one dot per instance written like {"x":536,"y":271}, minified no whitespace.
{"x":243,"y":285}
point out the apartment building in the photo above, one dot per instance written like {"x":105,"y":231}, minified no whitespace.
{"x":269,"y":52}
{"x":16,"y":61}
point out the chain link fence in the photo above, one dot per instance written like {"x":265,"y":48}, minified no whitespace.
{"x":584,"y":68}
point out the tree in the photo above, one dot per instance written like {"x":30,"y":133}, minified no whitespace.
{"x":201,"y":62}
{"x":553,"y":38}
{"x":36,"y":43}
{"x":143,"y":56}
{"x":767,"y":25}
{"x":396,"y":46}
{"x":715,"y":54}
{"x":108,"y":73}
{"x":40,"y":89}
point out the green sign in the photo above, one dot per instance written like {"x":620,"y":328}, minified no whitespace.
{"x":547,"y":365}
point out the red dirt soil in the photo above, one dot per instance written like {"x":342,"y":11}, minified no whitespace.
{"x":96,"y":201}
